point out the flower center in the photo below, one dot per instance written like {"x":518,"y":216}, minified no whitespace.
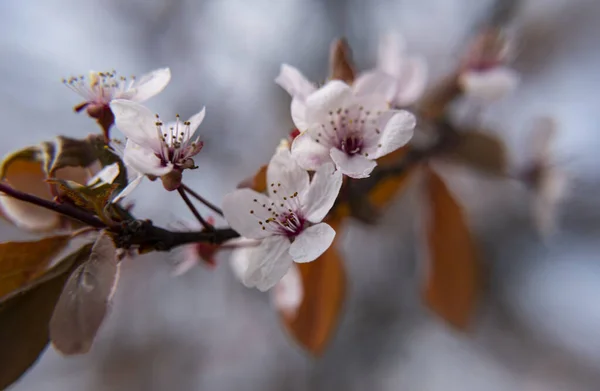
{"x":100,"y":87}
{"x":346,"y":128}
{"x":175,"y":140}
{"x":285,"y":213}
{"x":351,"y":144}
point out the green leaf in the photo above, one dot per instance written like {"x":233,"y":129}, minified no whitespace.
{"x":84,"y":302}
{"x":22,"y":262}
{"x":25,"y":315}
{"x":93,"y":198}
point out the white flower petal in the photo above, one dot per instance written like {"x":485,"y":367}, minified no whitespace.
{"x":243,"y":210}
{"x":144,"y":160}
{"x":391,"y":50}
{"x":298,"y":109}
{"x":285,"y":176}
{"x":107,"y":175}
{"x":413,"y":82}
{"x":294,"y":82}
{"x":312,"y":242}
{"x":332,"y":96}
{"x":129,"y":188}
{"x":375,"y":82}
{"x":137,"y":123}
{"x":489,"y":85}
{"x":268,"y":263}
{"x":150,"y":84}
{"x":240,"y":256}
{"x":322,"y":193}
{"x":397,"y":131}
{"x":309,"y":154}
{"x":288,"y":293}
{"x":355,"y":166}
{"x":196,"y":119}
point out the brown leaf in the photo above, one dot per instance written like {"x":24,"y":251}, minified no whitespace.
{"x":258,"y":182}
{"x":24,"y":318}
{"x":21,"y":262}
{"x":340,"y":61}
{"x":453,"y":284}
{"x":27,"y":176}
{"x":389,"y":188}
{"x":481,"y":151}
{"x":27,"y":170}
{"x":324,"y":286}
{"x":84,"y":302}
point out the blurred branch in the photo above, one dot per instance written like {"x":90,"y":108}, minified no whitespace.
{"x":141,"y":233}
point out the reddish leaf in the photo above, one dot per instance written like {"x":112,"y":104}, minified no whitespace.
{"x":324,"y":286}
{"x":387,"y":189}
{"x":453,"y":282}
{"x":24,"y":318}
{"x":21,"y":262}
{"x":27,"y":176}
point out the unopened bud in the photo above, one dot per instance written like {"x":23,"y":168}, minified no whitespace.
{"x":340,"y":61}
{"x":172,"y":180}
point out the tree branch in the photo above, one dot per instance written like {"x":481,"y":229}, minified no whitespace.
{"x":129,"y":233}
{"x":64,"y":209}
{"x":148,"y":236}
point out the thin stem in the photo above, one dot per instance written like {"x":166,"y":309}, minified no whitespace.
{"x":190,"y":205}
{"x":207,"y":203}
{"x":64,"y":209}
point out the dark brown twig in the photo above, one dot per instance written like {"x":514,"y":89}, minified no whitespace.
{"x":64,"y":209}
{"x":144,"y":234}
{"x":191,"y":206}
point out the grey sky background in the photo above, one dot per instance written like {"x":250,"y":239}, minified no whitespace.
{"x":538,"y":327}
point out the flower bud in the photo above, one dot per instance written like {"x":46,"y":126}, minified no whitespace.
{"x":103,"y":115}
{"x":188,"y":164}
{"x":172,"y":180}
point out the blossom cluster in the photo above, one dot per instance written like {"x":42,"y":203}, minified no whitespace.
{"x":342,"y":130}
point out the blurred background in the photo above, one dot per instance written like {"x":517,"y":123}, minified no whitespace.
{"x":538,"y":327}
